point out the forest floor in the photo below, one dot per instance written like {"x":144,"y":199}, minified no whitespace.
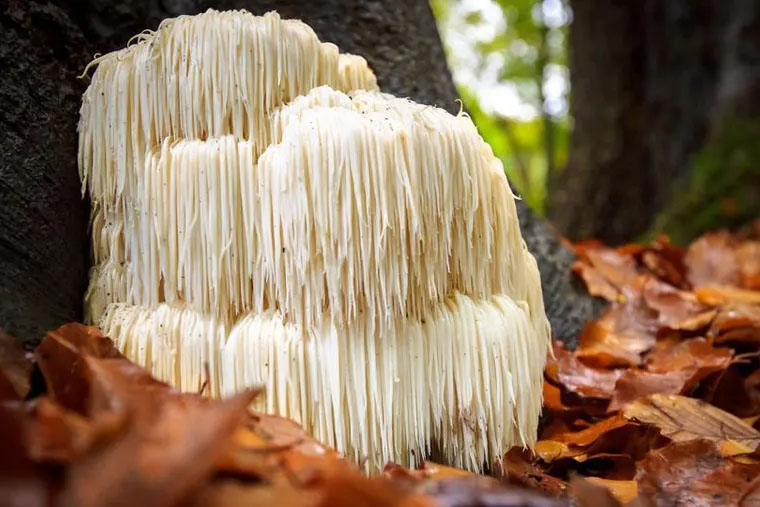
{"x":659,"y":405}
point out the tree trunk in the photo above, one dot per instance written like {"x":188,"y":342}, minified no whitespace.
{"x":645,"y":79}
{"x":398,"y":38}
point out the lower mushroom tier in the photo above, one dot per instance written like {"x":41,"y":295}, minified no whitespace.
{"x":466,"y":381}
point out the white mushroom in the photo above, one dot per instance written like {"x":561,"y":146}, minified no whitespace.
{"x":356,"y":253}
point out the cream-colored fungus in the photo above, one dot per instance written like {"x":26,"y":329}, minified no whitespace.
{"x":356,"y":253}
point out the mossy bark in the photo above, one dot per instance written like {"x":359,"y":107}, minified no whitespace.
{"x":651,"y":83}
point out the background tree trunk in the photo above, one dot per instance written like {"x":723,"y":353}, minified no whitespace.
{"x":398,"y":38}
{"x":650,"y":83}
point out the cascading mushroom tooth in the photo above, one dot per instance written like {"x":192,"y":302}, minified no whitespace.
{"x":356,"y":253}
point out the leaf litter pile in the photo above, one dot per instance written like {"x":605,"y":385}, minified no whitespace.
{"x":659,"y":405}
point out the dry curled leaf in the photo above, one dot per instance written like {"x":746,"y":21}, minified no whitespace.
{"x":694,"y":353}
{"x":591,"y":434}
{"x":693,"y":472}
{"x":717,"y":295}
{"x":618,"y":337}
{"x":15,"y":368}
{"x":598,"y":492}
{"x":673,"y":306}
{"x":520,"y":467}
{"x":634,"y":384}
{"x":711,"y":260}
{"x":748,"y":259}
{"x":682,"y":419}
{"x":608,"y":273}
{"x":666,"y":261}
{"x":567,"y":370}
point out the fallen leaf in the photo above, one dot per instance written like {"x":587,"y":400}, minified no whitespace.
{"x":436,"y":471}
{"x":552,"y":450}
{"x":608,"y":273}
{"x":673,"y":369}
{"x":576,"y":377}
{"x":727,"y":391}
{"x":694,"y":353}
{"x":681,"y":419}
{"x":634,"y":384}
{"x":737,"y":323}
{"x":519,"y":466}
{"x":693,"y":473}
{"x":694,"y":322}
{"x":618,"y":337}
{"x":59,"y":435}
{"x":716,"y":295}
{"x":748,"y":260}
{"x":595,"y":282}
{"x":622,"y":491}
{"x":587,"y":493}
{"x":672,"y":305}
{"x":752,"y":496}
{"x":590,"y":435}
{"x":711,"y":259}
{"x":752,"y":385}
{"x":234,"y":493}
{"x":15,"y":368}
{"x":484,"y":491}
{"x":666,"y":261}
{"x":59,"y":357}
{"x":158,"y":463}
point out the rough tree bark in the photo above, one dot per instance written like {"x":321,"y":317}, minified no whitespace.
{"x":398,"y":38}
{"x":647,"y":80}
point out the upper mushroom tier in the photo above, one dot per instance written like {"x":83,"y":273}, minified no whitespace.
{"x":214,"y":74}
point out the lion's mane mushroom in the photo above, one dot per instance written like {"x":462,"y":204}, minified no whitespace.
{"x":356,"y":253}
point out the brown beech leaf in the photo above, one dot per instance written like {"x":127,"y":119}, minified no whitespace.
{"x":681,"y":419}
{"x":567,"y":370}
{"x":556,"y":405}
{"x":234,"y":493}
{"x":717,"y":295}
{"x":693,"y":473}
{"x":344,"y":487}
{"x":696,"y":353}
{"x":436,"y":471}
{"x":520,"y":467}
{"x":666,"y":261}
{"x":59,"y":435}
{"x":483,"y":491}
{"x":596,"y":283}
{"x":727,"y":391}
{"x":737,"y":323}
{"x":694,"y":322}
{"x":158,"y":462}
{"x":275,"y":449}
{"x":59,"y":357}
{"x":15,"y":368}
{"x":751,"y":497}
{"x":618,"y":337}
{"x":752,"y":386}
{"x":634,"y":384}
{"x":598,"y":492}
{"x":748,"y":259}
{"x":22,"y":481}
{"x":672,"y":305}
{"x":591,"y":434}
{"x":608,"y":273}
{"x":712,"y":260}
